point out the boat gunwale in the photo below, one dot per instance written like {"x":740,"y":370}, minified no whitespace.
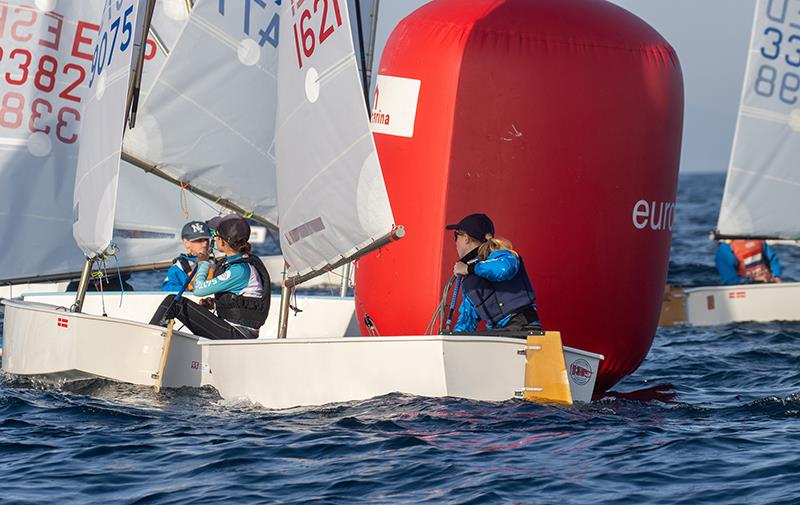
{"x":47,"y":308}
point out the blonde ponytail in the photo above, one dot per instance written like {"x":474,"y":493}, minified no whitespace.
{"x":495,"y":244}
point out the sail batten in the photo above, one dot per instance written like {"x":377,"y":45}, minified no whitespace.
{"x":762,"y":188}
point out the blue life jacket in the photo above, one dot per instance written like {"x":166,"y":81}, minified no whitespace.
{"x":494,"y":301}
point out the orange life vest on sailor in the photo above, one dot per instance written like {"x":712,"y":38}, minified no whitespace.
{"x":750,"y":255}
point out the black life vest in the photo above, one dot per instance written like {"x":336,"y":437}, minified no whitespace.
{"x":495,"y":300}
{"x":183,"y":263}
{"x":247,"y":311}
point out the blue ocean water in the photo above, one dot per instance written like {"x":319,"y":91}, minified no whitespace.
{"x":712,"y":416}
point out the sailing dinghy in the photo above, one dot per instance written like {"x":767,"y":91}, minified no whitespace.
{"x":761,"y":189}
{"x":324,"y":153}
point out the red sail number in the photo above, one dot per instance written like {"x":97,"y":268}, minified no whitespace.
{"x":306,"y":33}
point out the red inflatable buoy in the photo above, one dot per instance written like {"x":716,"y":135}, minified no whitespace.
{"x":559,"y":119}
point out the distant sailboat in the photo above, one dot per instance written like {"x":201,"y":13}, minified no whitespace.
{"x":761,"y":199}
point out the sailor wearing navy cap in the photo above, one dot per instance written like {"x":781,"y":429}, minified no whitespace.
{"x":496,"y":286}
{"x":241,"y":288}
{"x":196,"y":236}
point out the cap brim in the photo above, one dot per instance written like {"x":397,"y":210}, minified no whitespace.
{"x":214,"y":221}
{"x":451,"y":227}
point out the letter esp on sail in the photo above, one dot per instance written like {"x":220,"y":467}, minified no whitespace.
{"x":555,"y":118}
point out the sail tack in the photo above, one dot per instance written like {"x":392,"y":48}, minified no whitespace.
{"x":762,"y":190}
{"x":332,"y":197}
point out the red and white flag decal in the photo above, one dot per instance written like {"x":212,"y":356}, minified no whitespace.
{"x":63,"y":322}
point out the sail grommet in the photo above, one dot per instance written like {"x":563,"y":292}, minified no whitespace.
{"x":312,"y":85}
{"x":248,"y":52}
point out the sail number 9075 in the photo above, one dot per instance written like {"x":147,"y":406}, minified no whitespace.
{"x":306,"y":38}
{"x":104,"y":50}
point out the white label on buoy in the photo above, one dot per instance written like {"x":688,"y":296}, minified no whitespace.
{"x":394,"y":105}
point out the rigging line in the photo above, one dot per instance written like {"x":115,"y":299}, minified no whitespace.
{"x":159,"y":41}
{"x":206,"y":202}
{"x":362,"y":53}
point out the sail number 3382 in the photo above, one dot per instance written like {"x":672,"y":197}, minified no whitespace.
{"x":314,"y":25}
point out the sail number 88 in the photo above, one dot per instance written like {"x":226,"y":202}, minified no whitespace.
{"x":768,"y":82}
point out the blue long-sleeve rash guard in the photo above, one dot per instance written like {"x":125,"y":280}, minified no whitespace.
{"x":499,"y":266}
{"x":176,"y":277}
{"x":727,"y":264}
{"x":234,"y":279}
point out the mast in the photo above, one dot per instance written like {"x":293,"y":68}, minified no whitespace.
{"x":366,"y":77}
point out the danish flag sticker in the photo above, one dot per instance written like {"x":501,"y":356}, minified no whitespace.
{"x":63,"y":322}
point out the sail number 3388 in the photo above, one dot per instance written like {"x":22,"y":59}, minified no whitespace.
{"x":310,"y":33}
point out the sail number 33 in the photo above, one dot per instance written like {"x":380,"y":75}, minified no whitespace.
{"x":310,"y":33}
{"x":779,"y":51}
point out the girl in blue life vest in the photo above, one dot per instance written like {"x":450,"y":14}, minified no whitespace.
{"x":241,"y":289}
{"x":496,"y":287}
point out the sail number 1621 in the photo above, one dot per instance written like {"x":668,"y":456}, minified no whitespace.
{"x":307,"y":34}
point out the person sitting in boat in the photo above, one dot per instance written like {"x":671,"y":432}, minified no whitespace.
{"x":240,"y":288}
{"x":747,"y":261}
{"x":496,"y":287}
{"x":196,"y":236}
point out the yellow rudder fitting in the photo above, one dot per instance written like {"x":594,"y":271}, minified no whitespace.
{"x":545,"y":370}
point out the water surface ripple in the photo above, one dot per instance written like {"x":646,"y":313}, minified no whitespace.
{"x":712,"y":416}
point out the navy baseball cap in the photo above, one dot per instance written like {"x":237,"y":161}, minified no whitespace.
{"x":195,"y":230}
{"x":214,"y":222}
{"x":476,"y":226}
{"x":234,"y":230}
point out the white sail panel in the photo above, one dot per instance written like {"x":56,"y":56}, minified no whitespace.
{"x":103,"y":120}
{"x":39,"y":130}
{"x":150,"y":215}
{"x":209,"y":118}
{"x":333,"y":199}
{"x":762,"y":190}
{"x":169,"y":18}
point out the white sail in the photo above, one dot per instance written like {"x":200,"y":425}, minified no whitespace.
{"x":149,"y":216}
{"x":103,"y":120}
{"x":44,"y":68}
{"x":169,"y":18}
{"x":762,"y":190}
{"x":333,"y":200}
{"x":209,"y":118}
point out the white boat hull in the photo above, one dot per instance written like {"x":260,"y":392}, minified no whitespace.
{"x":747,"y":302}
{"x":18,"y":290}
{"x":39,"y":340}
{"x":321,"y":316}
{"x":270,"y":372}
